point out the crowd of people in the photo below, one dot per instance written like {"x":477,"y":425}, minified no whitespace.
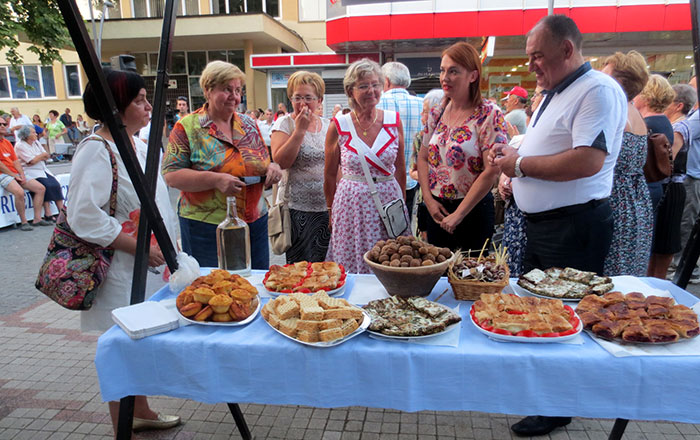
{"x":567,"y":162}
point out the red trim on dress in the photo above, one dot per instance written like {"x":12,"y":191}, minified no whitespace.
{"x":347,"y":145}
{"x":392,"y":137}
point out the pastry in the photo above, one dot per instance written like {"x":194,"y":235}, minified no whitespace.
{"x":218,"y":297}
{"x":564,"y":283}
{"x":396,"y":316}
{"x":220,"y":303}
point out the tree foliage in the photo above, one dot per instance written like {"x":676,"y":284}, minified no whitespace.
{"x":39,"y":23}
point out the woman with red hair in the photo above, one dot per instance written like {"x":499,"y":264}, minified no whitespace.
{"x":453,"y":170}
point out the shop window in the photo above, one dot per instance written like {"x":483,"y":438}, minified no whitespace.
{"x":140,"y":8}
{"x":177,"y":62}
{"x":72,"y":77}
{"x":217,"y":55}
{"x":156,"y":8}
{"x":141,"y":61}
{"x":196,"y":61}
{"x":312,"y":10}
{"x":4,"y":83}
{"x":237,"y":58}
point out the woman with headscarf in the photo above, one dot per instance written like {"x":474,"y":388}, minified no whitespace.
{"x":88,"y":215}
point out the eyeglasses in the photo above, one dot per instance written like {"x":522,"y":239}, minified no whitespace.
{"x":307,"y":98}
{"x":365,"y":87}
{"x":3,"y":124}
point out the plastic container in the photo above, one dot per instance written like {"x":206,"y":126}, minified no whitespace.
{"x":145,"y":319}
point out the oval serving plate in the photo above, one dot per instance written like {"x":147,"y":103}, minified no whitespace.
{"x":230,"y":323}
{"x":623,"y":342}
{"x":335,"y":292}
{"x":448,"y":329}
{"x":521,"y":291}
{"x":360,"y":329}
{"x":531,"y":339}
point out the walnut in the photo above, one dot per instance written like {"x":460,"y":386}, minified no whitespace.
{"x":406,"y":258}
{"x":395,"y":263}
{"x":403,"y":240}
{"x":404,"y":264}
{"x":390,"y":249}
{"x":427,"y":263}
{"x":386,"y":263}
{"x":446,"y":252}
{"x":441,"y":258}
{"x":373,"y":255}
{"x":378,"y":249}
{"x":423,"y":250}
{"x":382,"y":258}
{"x":430,"y":257}
{"x":395,"y":257}
{"x":380,"y":243}
{"x":433,"y":251}
{"x":416,"y":262}
{"x":406,"y":250}
{"x":416,"y":244}
{"x":416,"y":254}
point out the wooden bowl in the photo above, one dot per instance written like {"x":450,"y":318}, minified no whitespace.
{"x":408,"y":281}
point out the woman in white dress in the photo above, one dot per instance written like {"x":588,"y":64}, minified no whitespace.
{"x":88,"y":216}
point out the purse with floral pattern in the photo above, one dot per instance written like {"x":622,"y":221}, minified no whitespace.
{"x":73,"y":268}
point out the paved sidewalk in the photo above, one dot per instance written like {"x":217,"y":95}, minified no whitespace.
{"x":48,"y":385}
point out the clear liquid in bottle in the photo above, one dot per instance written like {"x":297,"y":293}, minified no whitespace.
{"x":233,"y":242}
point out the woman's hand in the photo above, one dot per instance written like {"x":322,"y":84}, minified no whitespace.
{"x":155,"y":256}
{"x":451,"y":221}
{"x":229,"y":185}
{"x":436,"y":210}
{"x":274,"y":174}
{"x":512,"y":130}
{"x":504,"y":187}
{"x":304,"y":118}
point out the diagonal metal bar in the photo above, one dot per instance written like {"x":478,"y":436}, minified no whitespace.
{"x":691,"y":251}
{"x":93,"y":70}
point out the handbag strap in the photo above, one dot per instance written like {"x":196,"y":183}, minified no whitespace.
{"x":115,"y":175}
{"x":372,"y":187}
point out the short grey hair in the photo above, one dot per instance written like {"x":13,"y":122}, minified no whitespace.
{"x":434,"y":97}
{"x":397,"y":74}
{"x":686,"y":95}
{"x":24,"y":132}
{"x":358,"y":70}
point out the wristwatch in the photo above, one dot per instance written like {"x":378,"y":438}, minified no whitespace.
{"x":518,"y":171}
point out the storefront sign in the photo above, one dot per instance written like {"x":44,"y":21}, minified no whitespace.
{"x":8,"y":212}
{"x":422,"y":67}
{"x":279,"y":79}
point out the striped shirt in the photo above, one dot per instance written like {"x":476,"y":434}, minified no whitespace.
{"x":409,"y":109}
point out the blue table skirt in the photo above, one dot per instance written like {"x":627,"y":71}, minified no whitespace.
{"x":253,"y":364}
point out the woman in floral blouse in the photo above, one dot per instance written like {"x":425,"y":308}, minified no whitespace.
{"x":454,"y":175}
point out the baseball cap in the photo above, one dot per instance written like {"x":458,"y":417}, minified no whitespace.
{"x":517,"y":91}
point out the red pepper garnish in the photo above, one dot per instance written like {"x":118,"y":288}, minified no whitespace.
{"x":500,"y":331}
{"x":516,"y":312}
{"x":527,"y":334}
{"x":550,"y":335}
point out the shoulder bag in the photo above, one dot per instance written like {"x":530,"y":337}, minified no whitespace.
{"x":393,"y":213}
{"x":659,"y":164}
{"x":73,"y":269}
{"x":279,"y":223}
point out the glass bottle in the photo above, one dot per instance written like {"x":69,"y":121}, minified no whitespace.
{"x":233,"y":242}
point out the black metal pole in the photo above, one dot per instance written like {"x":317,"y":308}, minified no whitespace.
{"x":125,"y":422}
{"x":138,"y":285}
{"x":93,"y":70}
{"x":691,"y":251}
{"x":618,"y":429}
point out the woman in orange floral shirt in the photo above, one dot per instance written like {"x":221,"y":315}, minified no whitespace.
{"x":453,"y":170}
{"x":208,"y":151}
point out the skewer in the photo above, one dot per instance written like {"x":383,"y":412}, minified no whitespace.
{"x":442,"y":294}
{"x":483,"y":248}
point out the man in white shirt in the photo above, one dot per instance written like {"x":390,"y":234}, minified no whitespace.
{"x":562,"y":173}
{"x":17,"y":121}
{"x":396,"y":98}
{"x":515,"y":103}
{"x":265,"y":125}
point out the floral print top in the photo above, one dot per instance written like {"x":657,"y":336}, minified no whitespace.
{"x":196,"y":143}
{"x":455,"y":154}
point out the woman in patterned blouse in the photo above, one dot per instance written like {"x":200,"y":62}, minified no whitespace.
{"x":207,"y":152}
{"x":453,"y":170}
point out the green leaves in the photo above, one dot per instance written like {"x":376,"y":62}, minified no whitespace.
{"x":37,"y":22}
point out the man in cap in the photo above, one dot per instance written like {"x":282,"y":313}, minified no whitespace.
{"x":515,"y":103}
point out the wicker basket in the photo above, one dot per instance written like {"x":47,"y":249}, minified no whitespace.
{"x":471,"y":290}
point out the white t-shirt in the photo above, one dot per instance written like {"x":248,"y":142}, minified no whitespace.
{"x":590,"y":111}
{"x":22,"y":120}
{"x":265,"y":131}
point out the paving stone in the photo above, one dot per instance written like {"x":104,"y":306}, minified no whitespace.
{"x":353,"y":426}
{"x":390,"y":428}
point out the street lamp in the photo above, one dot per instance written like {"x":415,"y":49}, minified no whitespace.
{"x":98,"y":47}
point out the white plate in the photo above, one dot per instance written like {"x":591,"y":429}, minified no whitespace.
{"x":335,"y":292}
{"x":227,"y":324}
{"x":360,"y":329}
{"x":449,"y":328}
{"x":534,"y":339}
{"x":521,"y":291}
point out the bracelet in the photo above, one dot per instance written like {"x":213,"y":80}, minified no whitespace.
{"x":518,"y":171}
